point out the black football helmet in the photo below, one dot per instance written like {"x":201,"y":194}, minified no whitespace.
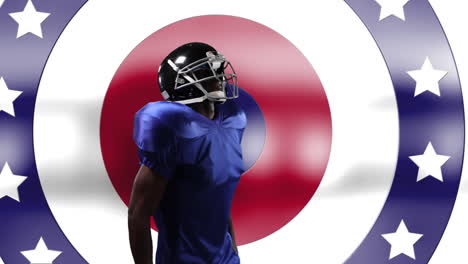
{"x":189,"y":73}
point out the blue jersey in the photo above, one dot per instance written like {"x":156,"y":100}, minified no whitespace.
{"x":202,"y":160}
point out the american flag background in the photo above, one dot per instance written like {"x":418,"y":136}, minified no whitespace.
{"x":392,"y":70}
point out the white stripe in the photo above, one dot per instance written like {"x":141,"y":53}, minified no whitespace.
{"x":165,"y":95}
{"x":174,"y":67}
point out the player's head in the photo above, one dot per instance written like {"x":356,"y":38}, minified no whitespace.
{"x":195,"y":72}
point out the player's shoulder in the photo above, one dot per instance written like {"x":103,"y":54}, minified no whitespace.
{"x":162,"y":109}
{"x":163,"y":113}
{"x":233,"y":114}
{"x":152,"y":130}
{"x":178,"y":118}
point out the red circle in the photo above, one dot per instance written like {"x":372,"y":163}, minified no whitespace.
{"x":283,"y":84}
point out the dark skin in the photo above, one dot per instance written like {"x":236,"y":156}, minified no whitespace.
{"x":148,"y":190}
{"x":147,"y":193}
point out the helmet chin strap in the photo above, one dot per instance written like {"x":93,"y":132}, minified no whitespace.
{"x":217,"y":96}
{"x":211,"y":96}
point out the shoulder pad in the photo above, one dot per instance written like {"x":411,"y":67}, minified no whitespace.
{"x":150,"y":132}
{"x":169,"y":116}
{"x":234,"y":114}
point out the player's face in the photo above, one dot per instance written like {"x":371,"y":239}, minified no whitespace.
{"x":213,"y":85}
{"x":210,"y":85}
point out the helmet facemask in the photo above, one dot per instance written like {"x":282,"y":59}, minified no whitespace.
{"x":204,"y":74}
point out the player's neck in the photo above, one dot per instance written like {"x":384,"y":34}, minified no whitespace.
{"x":205,"y":108}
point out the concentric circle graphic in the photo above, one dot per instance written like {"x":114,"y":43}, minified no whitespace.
{"x":396,"y":150}
{"x":288,"y":117}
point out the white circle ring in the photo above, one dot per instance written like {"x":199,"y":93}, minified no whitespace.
{"x":333,"y":39}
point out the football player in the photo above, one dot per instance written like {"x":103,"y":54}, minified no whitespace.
{"x":190,"y":154}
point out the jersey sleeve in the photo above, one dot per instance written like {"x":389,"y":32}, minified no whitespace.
{"x":156,"y":144}
{"x":241,"y":134}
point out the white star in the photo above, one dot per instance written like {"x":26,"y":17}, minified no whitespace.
{"x":41,"y":254}
{"x":29,"y":21}
{"x":1,"y":260}
{"x":392,"y":8}
{"x":1,"y":3}
{"x":9,"y":183}
{"x":427,"y":78}
{"x":402,"y":241}
{"x":429,"y":163}
{"x":7,"y":97}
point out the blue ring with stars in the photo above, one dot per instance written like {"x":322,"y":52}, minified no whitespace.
{"x":431,"y":119}
{"x":27,"y":224}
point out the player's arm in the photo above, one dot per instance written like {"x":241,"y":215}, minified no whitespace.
{"x":231,"y":231}
{"x":147,"y":192}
